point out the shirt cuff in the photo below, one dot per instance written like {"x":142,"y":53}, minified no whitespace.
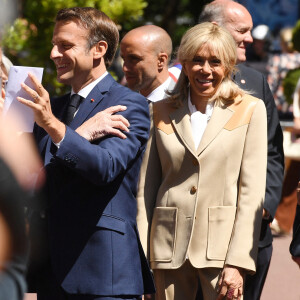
{"x":58,"y":144}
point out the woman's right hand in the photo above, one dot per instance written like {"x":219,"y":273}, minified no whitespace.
{"x":231,"y":283}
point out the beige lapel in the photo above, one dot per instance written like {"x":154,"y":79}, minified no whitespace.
{"x":180,"y":119}
{"x":219,"y":118}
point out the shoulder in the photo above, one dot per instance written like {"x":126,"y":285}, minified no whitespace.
{"x":162,"y":109}
{"x":252,"y":81}
{"x":122,"y":92}
{"x":137,"y":108}
{"x":249,"y":100}
{"x":243,"y":108}
{"x":110,"y":88}
{"x":161,"y":115}
{"x":246,"y":71}
{"x":243,"y":102}
{"x":247,"y":103}
{"x":117,"y":94}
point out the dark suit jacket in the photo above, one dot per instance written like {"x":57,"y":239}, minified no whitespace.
{"x":253,"y":81}
{"x":91,"y":188}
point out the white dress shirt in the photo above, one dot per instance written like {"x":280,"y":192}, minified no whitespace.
{"x":199,"y":120}
{"x":87,"y":89}
{"x":159,"y":92}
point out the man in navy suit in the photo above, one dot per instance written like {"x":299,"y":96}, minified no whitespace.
{"x":238,"y":21}
{"x":94,"y":248}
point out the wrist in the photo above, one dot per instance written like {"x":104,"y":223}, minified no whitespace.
{"x":241,"y":270}
{"x":56,"y":130}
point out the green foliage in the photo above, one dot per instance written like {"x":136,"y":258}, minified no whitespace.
{"x":175,"y":16}
{"x":296,"y":36}
{"x":28,"y":41}
{"x":123,"y":10}
{"x":289,"y":84}
{"x":291,"y":79}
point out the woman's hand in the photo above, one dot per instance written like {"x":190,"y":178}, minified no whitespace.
{"x":105,"y":123}
{"x":231,"y":283}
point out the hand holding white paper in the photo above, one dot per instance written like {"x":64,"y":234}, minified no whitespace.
{"x":18,"y":75}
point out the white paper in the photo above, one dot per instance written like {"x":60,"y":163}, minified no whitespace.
{"x":16,"y":76}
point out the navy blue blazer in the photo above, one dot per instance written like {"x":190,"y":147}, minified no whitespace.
{"x":91,"y":189}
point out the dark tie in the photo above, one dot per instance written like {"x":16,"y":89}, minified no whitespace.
{"x":72,"y":108}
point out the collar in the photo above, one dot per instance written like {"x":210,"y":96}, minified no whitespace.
{"x":208,"y":110}
{"x":87,"y":89}
{"x":159,"y":92}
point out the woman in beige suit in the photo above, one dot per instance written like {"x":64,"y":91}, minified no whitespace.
{"x":203,"y":176}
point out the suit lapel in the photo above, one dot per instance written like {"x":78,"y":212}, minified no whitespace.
{"x":238,"y":77}
{"x":180,"y":119}
{"x":219,"y":118}
{"x":91,"y":102}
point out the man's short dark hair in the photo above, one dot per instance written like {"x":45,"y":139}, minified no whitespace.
{"x":99,"y":25}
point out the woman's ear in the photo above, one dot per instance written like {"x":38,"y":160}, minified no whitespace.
{"x":184,"y":68}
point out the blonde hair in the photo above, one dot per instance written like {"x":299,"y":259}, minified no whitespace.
{"x":224,"y":47}
{"x":286,"y":35}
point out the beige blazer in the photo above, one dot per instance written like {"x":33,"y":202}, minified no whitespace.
{"x":205,"y":203}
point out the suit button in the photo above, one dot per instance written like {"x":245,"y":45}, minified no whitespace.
{"x":193,"y":190}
